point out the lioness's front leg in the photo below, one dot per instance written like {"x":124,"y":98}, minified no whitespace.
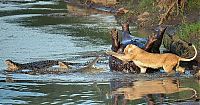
{"x":123,"y":57}
{"x":142,"y":69}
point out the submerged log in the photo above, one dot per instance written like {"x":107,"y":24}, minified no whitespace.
{"x":151,"y":44}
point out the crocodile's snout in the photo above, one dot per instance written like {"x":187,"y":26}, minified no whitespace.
{"x":11,"y":66}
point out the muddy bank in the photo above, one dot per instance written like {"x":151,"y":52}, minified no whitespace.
{"x":147,"y":15}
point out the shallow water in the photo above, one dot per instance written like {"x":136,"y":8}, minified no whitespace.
{"x":52,"y":30}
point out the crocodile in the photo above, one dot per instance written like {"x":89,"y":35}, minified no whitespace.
{"x":46,"y":67}
{"x":14,"y":66}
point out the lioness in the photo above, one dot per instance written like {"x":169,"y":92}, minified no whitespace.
{"x":146,"y":60}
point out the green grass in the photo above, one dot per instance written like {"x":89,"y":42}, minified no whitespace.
{"x":137,"y":7}
{"x":194,"y":4}
{"x":190,"y":32}
{"x":189,"y":29}
{"x":146,"y":5}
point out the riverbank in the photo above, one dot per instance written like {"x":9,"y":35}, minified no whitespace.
{"x":181,"y":17}
{"x":148,"y":14}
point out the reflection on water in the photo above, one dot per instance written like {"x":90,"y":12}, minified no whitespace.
{"x":163,"y":89}
{"x":51,"y":29}
{"x":53,"y":89}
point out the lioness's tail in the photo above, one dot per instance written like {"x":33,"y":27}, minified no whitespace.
{"x":185,"y":59}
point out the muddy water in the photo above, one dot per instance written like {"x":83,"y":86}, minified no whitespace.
{"x":51,"y":30}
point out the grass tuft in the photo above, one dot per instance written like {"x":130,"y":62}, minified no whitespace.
{"x":190,"y":32}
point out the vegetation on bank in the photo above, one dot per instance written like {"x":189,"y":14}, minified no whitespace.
{"x":148,"y":14}
{"x":190,"y":32}
{"x":194,"y":4}
{"x":183,"y":14}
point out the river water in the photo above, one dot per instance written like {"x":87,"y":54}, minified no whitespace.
{"x":53,"y":30}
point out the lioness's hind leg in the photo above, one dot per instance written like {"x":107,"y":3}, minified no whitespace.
{"x":180,"y":69}
{"x":168,"y":68}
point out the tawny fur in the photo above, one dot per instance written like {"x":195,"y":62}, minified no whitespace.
{"x":146,"y":60}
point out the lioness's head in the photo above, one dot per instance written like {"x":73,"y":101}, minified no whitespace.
{"x":130,"y":49}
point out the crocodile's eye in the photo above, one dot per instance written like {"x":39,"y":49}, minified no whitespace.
{"x":8,"y":62}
